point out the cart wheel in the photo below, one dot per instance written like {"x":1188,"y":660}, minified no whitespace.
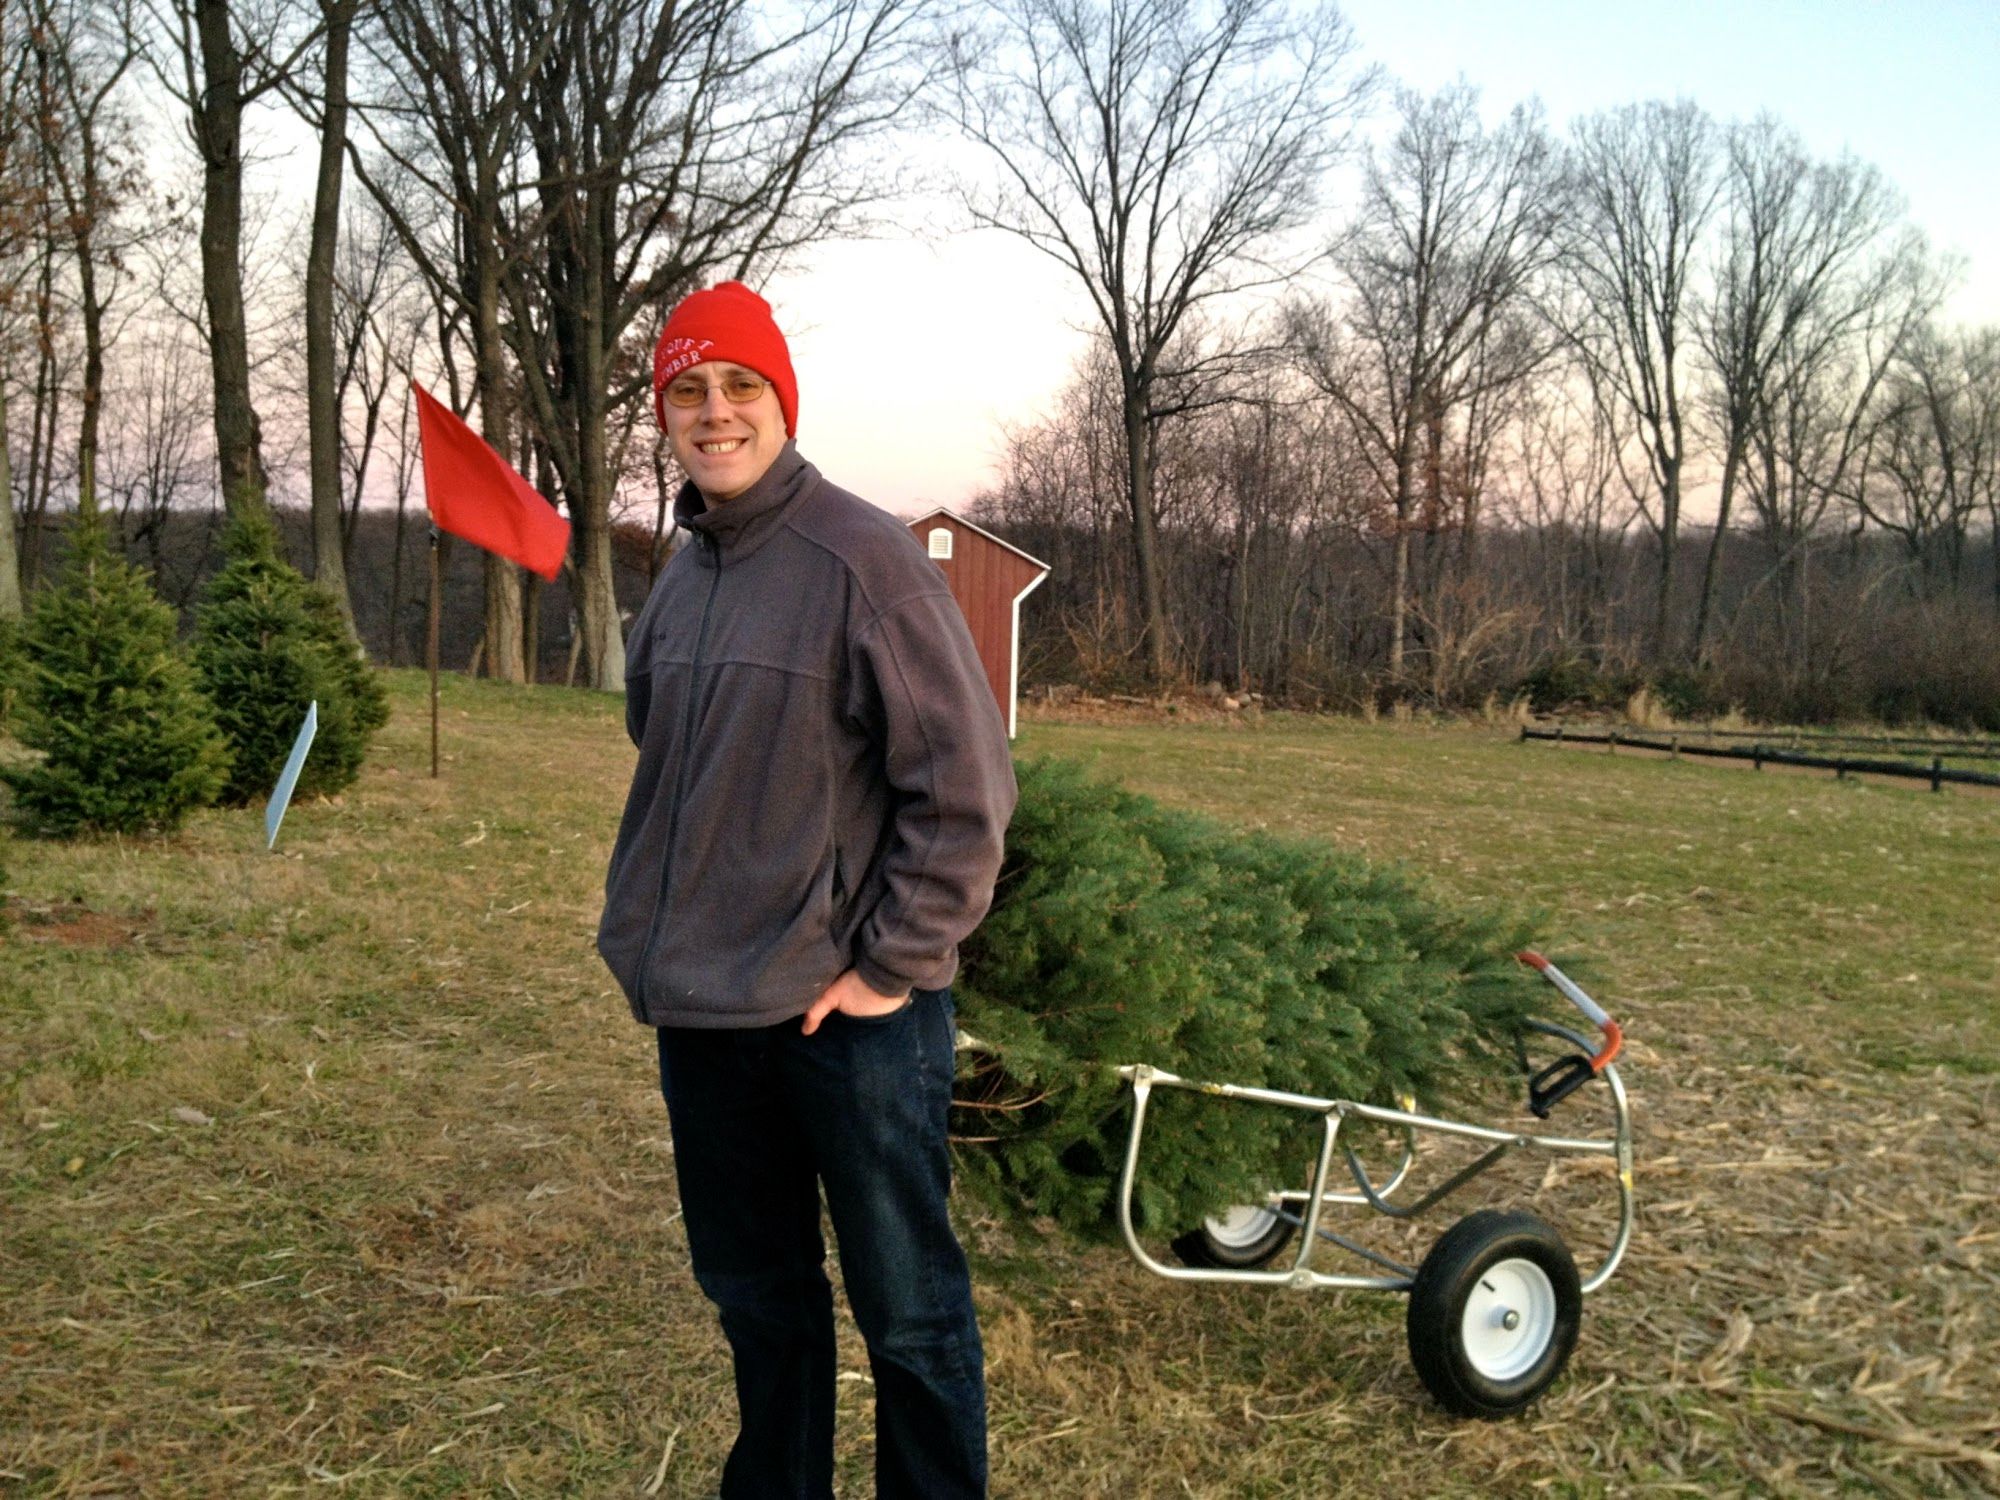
{"x":1494,"y":1313}
{"x":1239,"y":1238}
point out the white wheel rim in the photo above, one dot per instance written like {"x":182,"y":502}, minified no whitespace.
{"x":1239,"y":1226}
{"x":1510,"y":1319}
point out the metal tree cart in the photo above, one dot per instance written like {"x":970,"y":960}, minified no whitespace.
{"x":1497,"y":1302}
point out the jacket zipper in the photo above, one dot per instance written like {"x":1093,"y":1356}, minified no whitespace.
{"x":681,"y":771}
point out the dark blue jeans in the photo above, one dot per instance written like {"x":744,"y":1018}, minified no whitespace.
{"x":761,"y":1119}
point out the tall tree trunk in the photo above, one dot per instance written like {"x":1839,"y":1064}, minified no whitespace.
{"x":93,"y":379}
{"x":85,"y":202}
{"x":531,"y":631}
{"x":219,"y":134}
{"x":1399,"y":596}
{"x":1670,"y":546}
{"x":42,"y":425}
{"x":10,"y":557}
{"x":601,"y":632}
{"x":1145,"y":538}
{"x":1240,"y":589}
{"x":396,"y":576}
{"x":502,"y":635}
{"x":1787,"y":533}
{"x":1732,"y":468}
{"x":536,"y":460}
{"x":596,"y":600}
{"x":1399,"y":582}
{"x":1992,"y":510}
{"x":322,"y":402}
{"x":1805,"y":606}
{"x":664,"y":503}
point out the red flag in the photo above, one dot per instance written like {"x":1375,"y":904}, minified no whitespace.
{"x":474,"y":493}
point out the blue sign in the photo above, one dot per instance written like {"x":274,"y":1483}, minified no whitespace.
{"x":274,"y":810}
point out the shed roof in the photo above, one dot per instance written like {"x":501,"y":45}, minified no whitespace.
{"x":950,"y":514}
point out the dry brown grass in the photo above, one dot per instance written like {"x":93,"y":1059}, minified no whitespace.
{"x":342,"y":1170}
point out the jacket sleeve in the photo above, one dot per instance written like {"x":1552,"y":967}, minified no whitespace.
{"x":638,"y":699}
{"x":639,"y":669}
{"x":916,"y":681}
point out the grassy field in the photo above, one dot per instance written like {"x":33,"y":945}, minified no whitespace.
{"x":343,"y":1168}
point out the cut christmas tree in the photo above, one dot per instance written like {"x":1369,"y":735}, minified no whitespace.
{"x":1124,"y":932}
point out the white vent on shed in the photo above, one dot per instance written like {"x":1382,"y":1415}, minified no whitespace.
{"x":940,"y":540}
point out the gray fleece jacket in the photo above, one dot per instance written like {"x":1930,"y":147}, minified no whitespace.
{"x":823,"y":777}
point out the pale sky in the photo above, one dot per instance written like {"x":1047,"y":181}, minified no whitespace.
{"x":912,"y":354}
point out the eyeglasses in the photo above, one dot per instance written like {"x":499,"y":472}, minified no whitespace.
{"x":739,"y":388}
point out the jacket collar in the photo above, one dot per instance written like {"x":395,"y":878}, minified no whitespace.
{"x":739,"y":527}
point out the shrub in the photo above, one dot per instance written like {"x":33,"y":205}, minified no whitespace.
{"x":1935,"y":664}
{"x":1690,"y":693}
{"x":267,"y":643}
{"x":128,"y":742}
{"x":1124,"y":932}
{"x":354,"y":678}
{"x":1573,"y":682}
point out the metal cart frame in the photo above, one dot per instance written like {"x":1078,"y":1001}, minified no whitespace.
{"x":1303,"y":1208}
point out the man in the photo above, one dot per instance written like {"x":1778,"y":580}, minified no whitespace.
{"x":814,"y":824}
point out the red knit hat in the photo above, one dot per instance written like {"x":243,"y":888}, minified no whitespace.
{"x":728,"y":322}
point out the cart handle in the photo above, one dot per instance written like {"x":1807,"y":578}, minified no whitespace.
{"x":1614,"y":1036}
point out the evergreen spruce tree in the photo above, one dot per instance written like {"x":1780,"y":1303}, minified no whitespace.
{"x":267,"y":644}
{"x":1124,"y":932}
{"x":356,"y":681}
{"x":128,"y":742}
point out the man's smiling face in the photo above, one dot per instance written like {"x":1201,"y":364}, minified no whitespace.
{"x":723,"y":445}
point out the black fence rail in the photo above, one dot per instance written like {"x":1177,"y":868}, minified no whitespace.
{"x":1759,"y":754}
{"x":1812,"y":741}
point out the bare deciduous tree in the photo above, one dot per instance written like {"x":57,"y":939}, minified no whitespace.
{"x":83,"y":53}
{"x":1162,"y":152}
{"x":54,"y":364}
{"x":1643,"y":185}
{"x":1060,"y":488}
{"x":327,"y":111}
{"x":10,"y":556}
{"x":1932,"y":465}
{"x":1810,"y":425}
{"x":1455,"y":224}
{"x":373,"y":302}
{"x":672,"y":143}
{"x":156,"y":459}
{"x":218,"y":57}
{"x":455,"y":77}
{"x":1981,"y":353}
{"x":17,"y":217}
{"x":1567,"y":498}
{"x":403,"y":333}
{"x":1806,"y":245}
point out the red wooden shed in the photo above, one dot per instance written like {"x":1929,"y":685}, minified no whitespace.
{"x":989,"y":578}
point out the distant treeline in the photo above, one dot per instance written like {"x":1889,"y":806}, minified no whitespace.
{"x":1532,"y":612}
{"x":1547,"y":613}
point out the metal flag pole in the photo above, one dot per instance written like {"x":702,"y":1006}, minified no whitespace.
{"x":432,"y":649}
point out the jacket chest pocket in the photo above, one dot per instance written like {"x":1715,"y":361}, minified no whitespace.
{"x":674,"y":635}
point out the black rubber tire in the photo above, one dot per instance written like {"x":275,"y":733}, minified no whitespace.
{"x":1200,"y":1248}
{"x":1445,"y":1284}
